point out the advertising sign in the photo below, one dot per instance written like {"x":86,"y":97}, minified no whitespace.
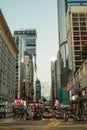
{"x":56,"y":102}
{"x":18,"y":101}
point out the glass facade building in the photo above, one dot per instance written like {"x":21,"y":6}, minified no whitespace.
{"x":26,"y":42}
{"x":62,"y":31}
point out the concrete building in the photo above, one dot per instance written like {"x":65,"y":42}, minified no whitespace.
{"x":26,"y":42}
{"x":62,"y":12}
{"x":77,"y":88}
{"x":29,"y":90}
{"x":8,"y":52}
{"x":76,"y":35}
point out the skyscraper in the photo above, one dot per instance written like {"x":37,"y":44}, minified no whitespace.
{"x":62,"y":23}
{"x":76,"y":35}
{"x":63,"y":47}
{"x":62,"y":31}
{"x":26,"y":42}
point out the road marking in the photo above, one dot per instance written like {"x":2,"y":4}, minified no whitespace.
{"x":58,"y":123}
{"x":50,"y":124}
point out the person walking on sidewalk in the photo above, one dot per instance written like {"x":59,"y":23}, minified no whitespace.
{"x":65,"y":116}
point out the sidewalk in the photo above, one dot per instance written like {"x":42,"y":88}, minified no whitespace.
{"x":71,"y":122}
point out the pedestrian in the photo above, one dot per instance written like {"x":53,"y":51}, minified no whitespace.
{"x":15,"y":112}
{"x":21,"y":111}
{"x":29,"y":112}
{"x":3,"y":111}
{"x":65,"y":116}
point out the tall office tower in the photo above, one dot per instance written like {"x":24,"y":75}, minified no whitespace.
{"x":62,"y":31}
{"x":63,"y":46}
{"x":62,"y":10}
{"x":53,"y":80}
{"x":26,"y":42}
{"x":74,"y":3}
{"x":8,"y":52}
{"x":28,"y":75}
{"x":76,"y":34}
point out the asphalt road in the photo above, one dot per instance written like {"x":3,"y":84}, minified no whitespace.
{"x":45,"y":124}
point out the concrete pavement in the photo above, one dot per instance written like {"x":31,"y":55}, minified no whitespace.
{"x":40,"y":124}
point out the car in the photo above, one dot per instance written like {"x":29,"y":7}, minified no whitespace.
{"x":59,"y":115}
{"x":47,"y":113}
{"x":69,"y":113}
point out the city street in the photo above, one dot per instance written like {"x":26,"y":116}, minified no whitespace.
{"x":45,"y":124}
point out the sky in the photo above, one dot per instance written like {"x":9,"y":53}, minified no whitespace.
{"x":42,"y":16}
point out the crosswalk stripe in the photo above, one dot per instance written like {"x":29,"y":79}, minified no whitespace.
{"x":57,"y":123}
{"x":49,"y":124}
{"x":52,"y":124}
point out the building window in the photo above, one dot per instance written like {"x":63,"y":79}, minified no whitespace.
{"x":82,"y":28}
{"x":76,"y":43}
{"x":75,"y":23}
{"x":82,"y":24}
{"x":75,"y":28}
{"x":84,"y":43}
{"x":82,"y":19}
{"x":82,"y":15}
{"x":78,"y":53}
{"x":76,"y":47}
{"x":77,"y":58}
{"x":75,"y":19}
{"x":83,"y":33}
{"x":76,"y":33}
{"x":76,"y":38}
{"x":74,"y":15}
{"x":83,"y":38}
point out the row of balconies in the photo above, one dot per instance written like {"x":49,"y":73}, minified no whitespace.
{"x":80,"y":15}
